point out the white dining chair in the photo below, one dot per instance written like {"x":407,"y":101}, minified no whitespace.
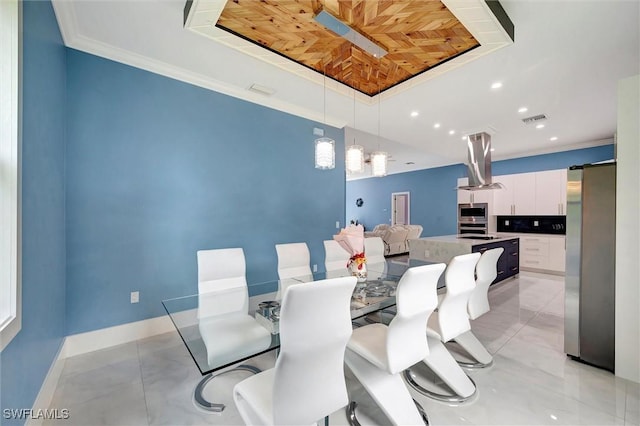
{"x":374,"y":252}
{"x":308,"y":382}
{"x":451,"y":321}
{"x":293,"y":266}
{"x":226,"y":328}
{"x":486,"y":272}
{"x":335,"y":259}
{"x":377,"y":354}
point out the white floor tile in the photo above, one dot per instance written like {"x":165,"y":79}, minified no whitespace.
{"x":532,"y":382}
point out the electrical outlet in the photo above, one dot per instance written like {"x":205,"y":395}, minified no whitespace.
{"x":337,"y":224}
{"x":315,"y":268}
{"x":135,"y":296}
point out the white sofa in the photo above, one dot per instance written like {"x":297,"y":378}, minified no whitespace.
{"x":396,"y":238}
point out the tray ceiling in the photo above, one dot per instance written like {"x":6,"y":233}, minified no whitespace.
{"x":419,"y":35}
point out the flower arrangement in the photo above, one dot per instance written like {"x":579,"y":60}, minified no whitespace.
{"x":358,"y":259}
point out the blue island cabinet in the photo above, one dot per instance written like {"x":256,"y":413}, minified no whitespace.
{"x":509,"y":261}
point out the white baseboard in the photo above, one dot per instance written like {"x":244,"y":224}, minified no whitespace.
{"x":77,"y":344}
{"x":48,"y":388}
{"x":81,"y":343}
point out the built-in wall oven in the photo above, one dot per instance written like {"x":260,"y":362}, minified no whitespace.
{"x":473,"y":218}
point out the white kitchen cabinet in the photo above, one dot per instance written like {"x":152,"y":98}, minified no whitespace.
{"x":557,"y":253}
{"x":551,"y":192}
{"x":542,"y":252}
{"x":518,"y":195}
{"x":466,"y":197}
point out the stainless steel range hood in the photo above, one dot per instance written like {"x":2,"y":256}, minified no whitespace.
{"x":479,"y":165}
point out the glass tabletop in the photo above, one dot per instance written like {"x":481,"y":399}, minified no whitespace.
{"x":226,"y":327}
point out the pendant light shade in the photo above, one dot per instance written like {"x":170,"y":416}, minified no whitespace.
{"x":325,"y":154}
{"x":325,"y":157}
{"x":379,"y":163}
{"x":355,"y":159}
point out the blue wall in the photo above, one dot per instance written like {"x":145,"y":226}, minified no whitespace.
{"x":158,"y":169}
{"x":26,"y":360}
{"x":433,"y":198}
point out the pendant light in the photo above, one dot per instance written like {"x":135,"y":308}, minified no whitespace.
{"x":325,"y":157}
{"x":354,"y":157}
{"x":379,"y":158}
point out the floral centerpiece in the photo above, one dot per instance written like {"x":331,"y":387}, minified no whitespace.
{"x":351,"y":239}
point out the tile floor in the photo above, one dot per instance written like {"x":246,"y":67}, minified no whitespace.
{"x":532,"y":382}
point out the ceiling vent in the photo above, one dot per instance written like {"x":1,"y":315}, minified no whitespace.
{"x":263,"y":90}
{"x":534,"y":119}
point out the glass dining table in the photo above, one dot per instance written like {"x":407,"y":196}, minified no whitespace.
{"x":224,"y":328}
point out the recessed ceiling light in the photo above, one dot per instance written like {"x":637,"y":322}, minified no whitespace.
{"x":451,"y":132}
{"x":436,"y":126}
{"x":553,"y":138}
{"x":523,"y":109}
{"x":415,"y":113}
{"x":539,"y":126}
{"x":496,"y":85}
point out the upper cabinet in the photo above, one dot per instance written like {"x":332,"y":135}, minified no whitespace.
{"x":528,"y":194}
{"x":467,"y":197}
{"x":518,"y":195}
{"x":524,"y":194}
{"x":551,"y":192}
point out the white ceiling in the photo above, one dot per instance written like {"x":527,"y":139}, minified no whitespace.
{"x":565,"y":62}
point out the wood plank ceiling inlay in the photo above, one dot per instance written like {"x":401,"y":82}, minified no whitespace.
{"x":418,"y":34}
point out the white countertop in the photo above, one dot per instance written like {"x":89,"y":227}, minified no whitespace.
{"x":471,"y":241}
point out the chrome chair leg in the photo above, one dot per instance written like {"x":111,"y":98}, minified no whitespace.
{"x":214,"y":406}
{"x":448,"y":398}
{"x":471,"y":345}
{"x":353,"y":420}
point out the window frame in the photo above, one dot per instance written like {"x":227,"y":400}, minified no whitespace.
{"x":10,"y":146}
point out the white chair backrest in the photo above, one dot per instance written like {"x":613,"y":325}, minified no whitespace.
{"x":416,"y":299}
{"x":293,"y":260}
{"x":222,"y":272}
{"x":374,"y":250}
{"x":315,"y":326}
{"x":335,"y":257}
{"x":486,"y":272}
{"x":460,"y":281}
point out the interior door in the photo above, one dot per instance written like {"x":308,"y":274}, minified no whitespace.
{"x":400,"y":208}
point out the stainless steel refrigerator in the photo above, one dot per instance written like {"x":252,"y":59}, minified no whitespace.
{"x":589,"y":324}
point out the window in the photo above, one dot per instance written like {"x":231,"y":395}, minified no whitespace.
{"x":10,"y":295}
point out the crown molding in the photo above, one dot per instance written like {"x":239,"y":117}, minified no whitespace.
{"x":67,"y":22}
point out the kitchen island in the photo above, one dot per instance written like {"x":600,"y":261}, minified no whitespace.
{"x":446,"y":247}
